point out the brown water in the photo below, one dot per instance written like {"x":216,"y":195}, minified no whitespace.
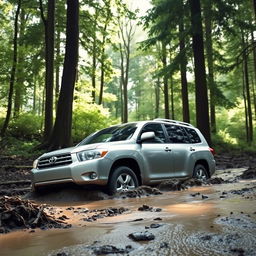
{"x":186,"y":223}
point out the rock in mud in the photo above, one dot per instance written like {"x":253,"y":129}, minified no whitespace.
{"x":215,"y":180}
{"x":110,"y":249}
{"x":141,"y":236}
{"x":138,"y":192}
{"x":249,"y":174}
{"x":16,"y":213}
{"x":192,"y":182}
{"x":93,"y":215}
{"x":155,"y":225}
{"x":145,"y":207}
{"x":172,"y":185}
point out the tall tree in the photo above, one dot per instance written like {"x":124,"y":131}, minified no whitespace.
{"x":13,"y":70}
{"x":49,"y":25}
{"x":209,"y":55}
{"x":126,"y":34}
{"x":19,"y":86}
{"x":183,"y":66}
{"x":61,"y":135}
{"x":202,"y":110}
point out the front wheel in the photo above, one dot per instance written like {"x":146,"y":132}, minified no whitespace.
{"x":122,"y":179}
{"x":200,"y":172}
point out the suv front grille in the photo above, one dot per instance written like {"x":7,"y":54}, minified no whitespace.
{"x":53,"y":161}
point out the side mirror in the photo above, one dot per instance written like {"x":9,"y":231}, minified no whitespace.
{"x":146,"y":136}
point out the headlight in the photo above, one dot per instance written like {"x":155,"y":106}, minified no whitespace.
{"x":35,"y":163}
{"x":90,"y":154}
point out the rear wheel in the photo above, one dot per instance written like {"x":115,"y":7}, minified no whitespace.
{"x":200,"y":173}
{"x":122,"y":179}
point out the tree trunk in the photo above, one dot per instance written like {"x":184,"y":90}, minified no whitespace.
{"x":103,"y":58}
{"x":61,"y":135}
{"x":254,"y":8}
{"x":13,"y":71}
{"x":247,"y":91}
{"x":254,"y":84}
{"x":202,"y":110}
{"x":19,"y":86}
{"x":157,"y":97}
{"x":94,"y":57}
{"x":245,"y":106}
{"x":166,"y":88}
{"x":183,"y":69}
{"x":172,"y":98}
{"x":209,"y":56}
{"x":49,"y":65}
{"x":57,"y":69}
{"x":125,"y":92}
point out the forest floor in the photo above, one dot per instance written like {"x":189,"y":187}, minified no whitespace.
{"x":175,"y":218}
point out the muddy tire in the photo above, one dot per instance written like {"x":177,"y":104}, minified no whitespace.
{"x":200,"y":172}
{"x":122,"y":179}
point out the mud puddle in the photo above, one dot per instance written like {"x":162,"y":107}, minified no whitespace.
{"x":207,"y":220}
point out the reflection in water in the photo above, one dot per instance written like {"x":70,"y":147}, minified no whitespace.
{"x":41,"y":242}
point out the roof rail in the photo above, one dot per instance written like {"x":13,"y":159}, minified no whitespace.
{"x":173,"y":121}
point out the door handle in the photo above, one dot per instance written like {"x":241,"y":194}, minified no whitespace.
{"x":167,"y":149}
{"x":192,"y":149}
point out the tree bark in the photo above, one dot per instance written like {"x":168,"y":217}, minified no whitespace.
{"x":49,"y":65}
{"x":19,"y":86}
{"x":183,"y":68}
{"x":157,"y":97}
{"x":209,"y":56}
{"x":126,"y":33}
{"x":245,"y":106}
{"x":57,"y":70}
{"x":202,"y":109}
{"x":61,"y":135}
{"x":172,"y":98}
{"x":103,"y":58}
{"x":166,"y":87}
{"x":247,"y":91}
{"x":13,"y":71}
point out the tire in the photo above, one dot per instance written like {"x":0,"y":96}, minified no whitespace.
{"x":200,"y":172}
{"x":122,"y":179}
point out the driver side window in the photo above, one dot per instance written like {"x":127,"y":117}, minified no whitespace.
{"x":159,"y":133}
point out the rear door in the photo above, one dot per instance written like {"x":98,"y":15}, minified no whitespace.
{"x":181,"y":149}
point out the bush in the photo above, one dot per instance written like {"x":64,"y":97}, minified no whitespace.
{"x":88,"y":118}
{"x":26,"y":126}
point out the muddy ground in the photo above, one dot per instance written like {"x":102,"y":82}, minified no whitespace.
{"x":176,"y":218}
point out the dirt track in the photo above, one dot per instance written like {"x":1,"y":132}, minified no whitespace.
{"x":218,"y":219}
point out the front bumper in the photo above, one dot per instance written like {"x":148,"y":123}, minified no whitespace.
{"x":77,"y":172}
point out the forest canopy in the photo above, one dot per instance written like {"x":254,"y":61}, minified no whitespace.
{"x":69,"y":68}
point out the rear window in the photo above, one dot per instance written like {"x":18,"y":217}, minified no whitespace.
{"x":193,"y":136}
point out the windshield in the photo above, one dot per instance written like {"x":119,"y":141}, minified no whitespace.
{"x":114,"y":133}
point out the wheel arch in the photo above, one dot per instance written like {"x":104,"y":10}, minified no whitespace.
{"x":205,"y":164}
{"x":129,"y":162}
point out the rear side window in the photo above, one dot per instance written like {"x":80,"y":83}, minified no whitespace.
{"x":193,"y":136}
{"x":176,"y":134}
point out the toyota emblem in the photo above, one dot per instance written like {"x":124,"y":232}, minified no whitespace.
{"x":53,"y":159}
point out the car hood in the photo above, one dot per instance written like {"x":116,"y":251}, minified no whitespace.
{"x":58,"y":152}
{"x":84,"y":147}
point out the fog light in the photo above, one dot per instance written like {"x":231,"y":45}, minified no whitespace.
{"x":93,"y":175}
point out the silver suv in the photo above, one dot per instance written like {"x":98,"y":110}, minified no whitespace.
{"x":125,"y":156}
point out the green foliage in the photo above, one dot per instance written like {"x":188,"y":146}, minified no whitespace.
{"x":26,"y":126}
{"x":24,"y":148}
{"x":88,"y":118}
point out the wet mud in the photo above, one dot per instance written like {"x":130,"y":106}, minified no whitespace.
{"x":217,"y":217}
